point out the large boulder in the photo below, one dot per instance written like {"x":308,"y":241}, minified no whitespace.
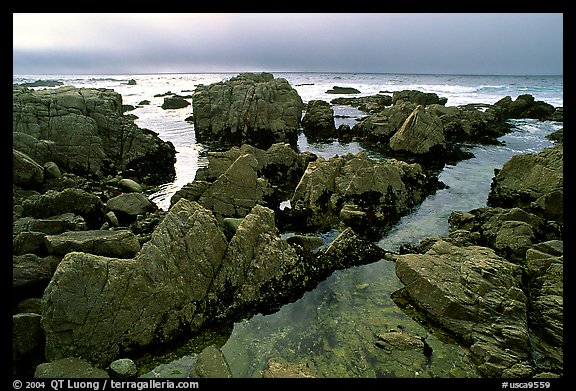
{"x":253,"y":108}
{"x":318,"y":121}
{"x":88,"y":133}
{"x":533,"y":181}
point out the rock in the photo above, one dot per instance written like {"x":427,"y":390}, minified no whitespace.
{"x":252,"y":108}
{"x":269,"y":179}
{"x":476,"y":296}
{"x":27,"y":336}
{"x":41,"y":151}
{"x":526,"y":178}
{"x":115,"y":244}
{"x":69,"y":367}
{"x":51,"y":170}
{"x":186,"y":275}
{"x":210,"y":363}
{"x":51,"y":225}
{"x":129,"y":185}
{"x":174,"y":102}
{"x":127,"y":206}
{"x":123,"y":368}
{"x":350,"y":188}
{"x":399,"y":340}
{"x":525,"y":106}
{"x":417,"y":97}
{"x":88,"y":132}
{"x":30,"y":269}
{"x":318,"y":121}
{"x":279,"y":369}
{"x":342,"y":90}
{"x":25,"y":171}
{"x":237,"y":190}
{"x":54,"y":203}
{"x":370,"y":104}
{"x":421,"y":133}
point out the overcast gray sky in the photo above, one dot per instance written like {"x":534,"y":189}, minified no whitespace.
{"x":449,"y":43}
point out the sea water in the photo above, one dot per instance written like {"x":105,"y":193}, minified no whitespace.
{"x":331,"y":330}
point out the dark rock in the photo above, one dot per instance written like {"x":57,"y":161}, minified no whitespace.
{"x":342,"y":90}
{"x":318,"y":121}
{"x":172,"y":102}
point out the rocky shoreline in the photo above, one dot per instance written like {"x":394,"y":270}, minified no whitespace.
{"x":101,"y":274}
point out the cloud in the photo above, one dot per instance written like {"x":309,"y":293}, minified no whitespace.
{"x":409,"y":43}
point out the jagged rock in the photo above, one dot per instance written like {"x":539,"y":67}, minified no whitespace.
{"x":417,"y":97}
{"x":187,"y":274}
{"x":252,"y":108}
{"x":88,"y":133}
{"x":525,"y":106}
{"x":350,"y":188}
{"x":237,"y":190}
{"x":265,"y":177}
{"x":476,"y":296}
{"x":370,"y":104}
{"x":420,"y":134}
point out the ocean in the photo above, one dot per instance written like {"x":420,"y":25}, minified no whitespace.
{"x":331,"y":329}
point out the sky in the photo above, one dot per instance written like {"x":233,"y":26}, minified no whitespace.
{"x":422,"y":43}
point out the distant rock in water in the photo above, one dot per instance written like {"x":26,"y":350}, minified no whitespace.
{"x":42,"y":83}
{"x":343,"y":90}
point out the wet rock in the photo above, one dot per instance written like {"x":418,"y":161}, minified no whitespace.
{"x":279,"y":369}
{"x":123,"y":368}
{"x":342,"y":90}
{"x":174,"y":102}
{"x":210,"y":363}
